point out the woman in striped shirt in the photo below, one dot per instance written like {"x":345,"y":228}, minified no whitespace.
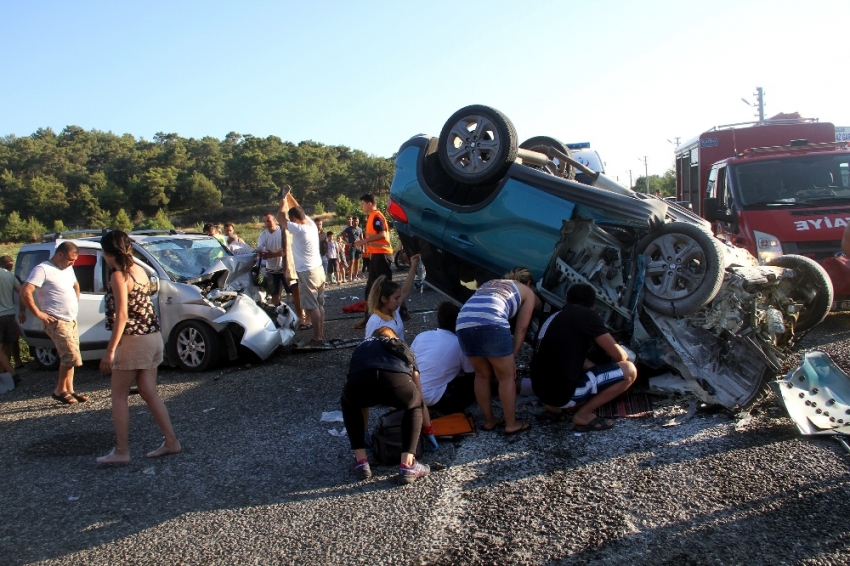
{"x":484,"y":333}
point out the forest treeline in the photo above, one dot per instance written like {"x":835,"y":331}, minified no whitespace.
{"x":95,"y":179}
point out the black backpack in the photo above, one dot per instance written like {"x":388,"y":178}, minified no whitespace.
{"x":386,"y":439}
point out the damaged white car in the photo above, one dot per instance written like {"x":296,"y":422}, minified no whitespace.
{"x":207,"y":304}
{"x":475,"y":204}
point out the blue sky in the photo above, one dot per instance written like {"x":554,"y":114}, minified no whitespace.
{"x":625,"y":76}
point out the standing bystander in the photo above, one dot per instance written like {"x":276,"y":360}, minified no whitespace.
{"x":377,"y":242}
{"x":58,"y":293}
{"x":308,"y":263}
{"x":8,"y":329}
{"x":352,"y":233}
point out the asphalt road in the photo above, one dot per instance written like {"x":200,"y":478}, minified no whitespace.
{"x":261,"y":480}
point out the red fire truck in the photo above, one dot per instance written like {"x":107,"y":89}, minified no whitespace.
{"x":781,"y":186}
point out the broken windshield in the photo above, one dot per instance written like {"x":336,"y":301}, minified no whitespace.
{"x":184,"y":258}
{"x":823,"y":178}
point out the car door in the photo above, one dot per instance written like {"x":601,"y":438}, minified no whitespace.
{"x":91,"y":320}
{"x":518,"y":226}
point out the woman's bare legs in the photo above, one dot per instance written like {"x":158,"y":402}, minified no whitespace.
{"x":505,"y":372}
{"x":483,"y":390}
{"x":505,"y":369}
{"x":146,"y":380}
{"x":121,"y":382}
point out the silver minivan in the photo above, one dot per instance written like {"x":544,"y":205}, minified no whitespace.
{"x":204,"y":296}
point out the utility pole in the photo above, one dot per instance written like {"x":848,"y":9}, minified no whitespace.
{"x":631,"y":184}
{"x":646,"y":172}
{"x":759,"y":94}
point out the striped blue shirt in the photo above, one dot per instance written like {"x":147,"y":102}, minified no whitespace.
{"x":493,"y":304}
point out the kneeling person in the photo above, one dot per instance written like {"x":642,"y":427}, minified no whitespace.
{"x":447,"y":376}
{"x":561,"y":375}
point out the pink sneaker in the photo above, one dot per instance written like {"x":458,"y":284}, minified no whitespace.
{"x":409,"y":474}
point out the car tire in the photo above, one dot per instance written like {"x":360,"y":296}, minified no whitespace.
{"x":400,"y":261}
{"x":542,"y":144}
{"x":194,"y":346}
{"x":46,"y":358}
{"x":684,"y":268}
{"x":477,"y":145}
{"x":811,"y":272}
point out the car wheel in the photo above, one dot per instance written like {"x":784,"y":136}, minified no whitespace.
{"x":47,"y":358}
{"x":194,"y":345}
{"x":684,"y":268}
{"x":400,"y":261}
{"x":811,"y":287}
{"x":477,"y":145}
{"x":542,"y":144}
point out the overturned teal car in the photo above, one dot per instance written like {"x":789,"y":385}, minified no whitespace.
{"x":476,"y":203}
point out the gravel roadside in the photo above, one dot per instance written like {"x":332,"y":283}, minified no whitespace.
{"x":261,"y":481}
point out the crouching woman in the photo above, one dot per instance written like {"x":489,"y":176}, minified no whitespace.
{"x":383,"y":372}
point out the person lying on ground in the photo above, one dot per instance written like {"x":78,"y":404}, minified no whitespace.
{"x":447,"y":376}
{"x":561,"y":375}
{"x":383,"y":372}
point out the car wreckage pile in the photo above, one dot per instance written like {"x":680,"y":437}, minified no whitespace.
{"x":475,"y":204}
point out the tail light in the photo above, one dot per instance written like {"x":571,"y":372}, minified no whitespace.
{"x":397,"y":212}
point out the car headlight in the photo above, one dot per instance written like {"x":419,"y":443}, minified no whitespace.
{"x":768,"y":246}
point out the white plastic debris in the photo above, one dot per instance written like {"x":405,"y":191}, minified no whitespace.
{"x":73,"y":498}
{"x":210,"y":409}
{"x":149,"y":471}
{"x":338,"y":433}
{"x":332,"y":417}
{"x":6,"y":382}
{"x":669,"y":382}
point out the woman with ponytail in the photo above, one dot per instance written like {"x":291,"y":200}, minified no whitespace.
{"x":135,"y":348}
{"x":384,"y":300}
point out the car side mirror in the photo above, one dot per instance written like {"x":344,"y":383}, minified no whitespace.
{"x":713,"y":212}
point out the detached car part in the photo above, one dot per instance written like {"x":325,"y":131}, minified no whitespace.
{"x":816,"y":395}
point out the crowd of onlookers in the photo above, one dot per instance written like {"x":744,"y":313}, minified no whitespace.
{"x":468,"y":358}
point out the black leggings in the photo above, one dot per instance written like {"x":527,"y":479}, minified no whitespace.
{"x":379,"y":264}
{"x":378,"y":387}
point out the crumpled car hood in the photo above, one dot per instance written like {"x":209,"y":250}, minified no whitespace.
{"x":236,"y":271}
{"x":816,"y":395}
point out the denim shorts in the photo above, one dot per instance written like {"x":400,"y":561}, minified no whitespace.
{"x":486,"y":341}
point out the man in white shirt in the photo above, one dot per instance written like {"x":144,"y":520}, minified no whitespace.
{"x":447,"y":376}
{"x":308,"y":264}
{"x":58,"y":293}
{"x":272,"y":245}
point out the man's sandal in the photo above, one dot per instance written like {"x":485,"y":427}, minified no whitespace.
{"x":65,"y":397}
{"x":597,"y":424}
{"x":79,"y":397}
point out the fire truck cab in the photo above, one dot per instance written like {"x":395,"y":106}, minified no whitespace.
{"x":775,"y":187}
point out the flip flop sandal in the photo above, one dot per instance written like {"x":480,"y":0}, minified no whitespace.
{"x":79,"y":397}
{"x":597,"y":424}
{"x":65,"y":397}
{"x":500,"y":422}
{"x":523,"y":428}
{"x":305,"y":326}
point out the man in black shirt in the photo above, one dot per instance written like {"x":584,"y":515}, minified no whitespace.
{"x":561,"y":375}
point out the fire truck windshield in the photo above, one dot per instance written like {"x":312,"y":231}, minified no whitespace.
{"x":793,"y":181}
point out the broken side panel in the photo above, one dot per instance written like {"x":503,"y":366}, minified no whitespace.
{"x":728,"y":370}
